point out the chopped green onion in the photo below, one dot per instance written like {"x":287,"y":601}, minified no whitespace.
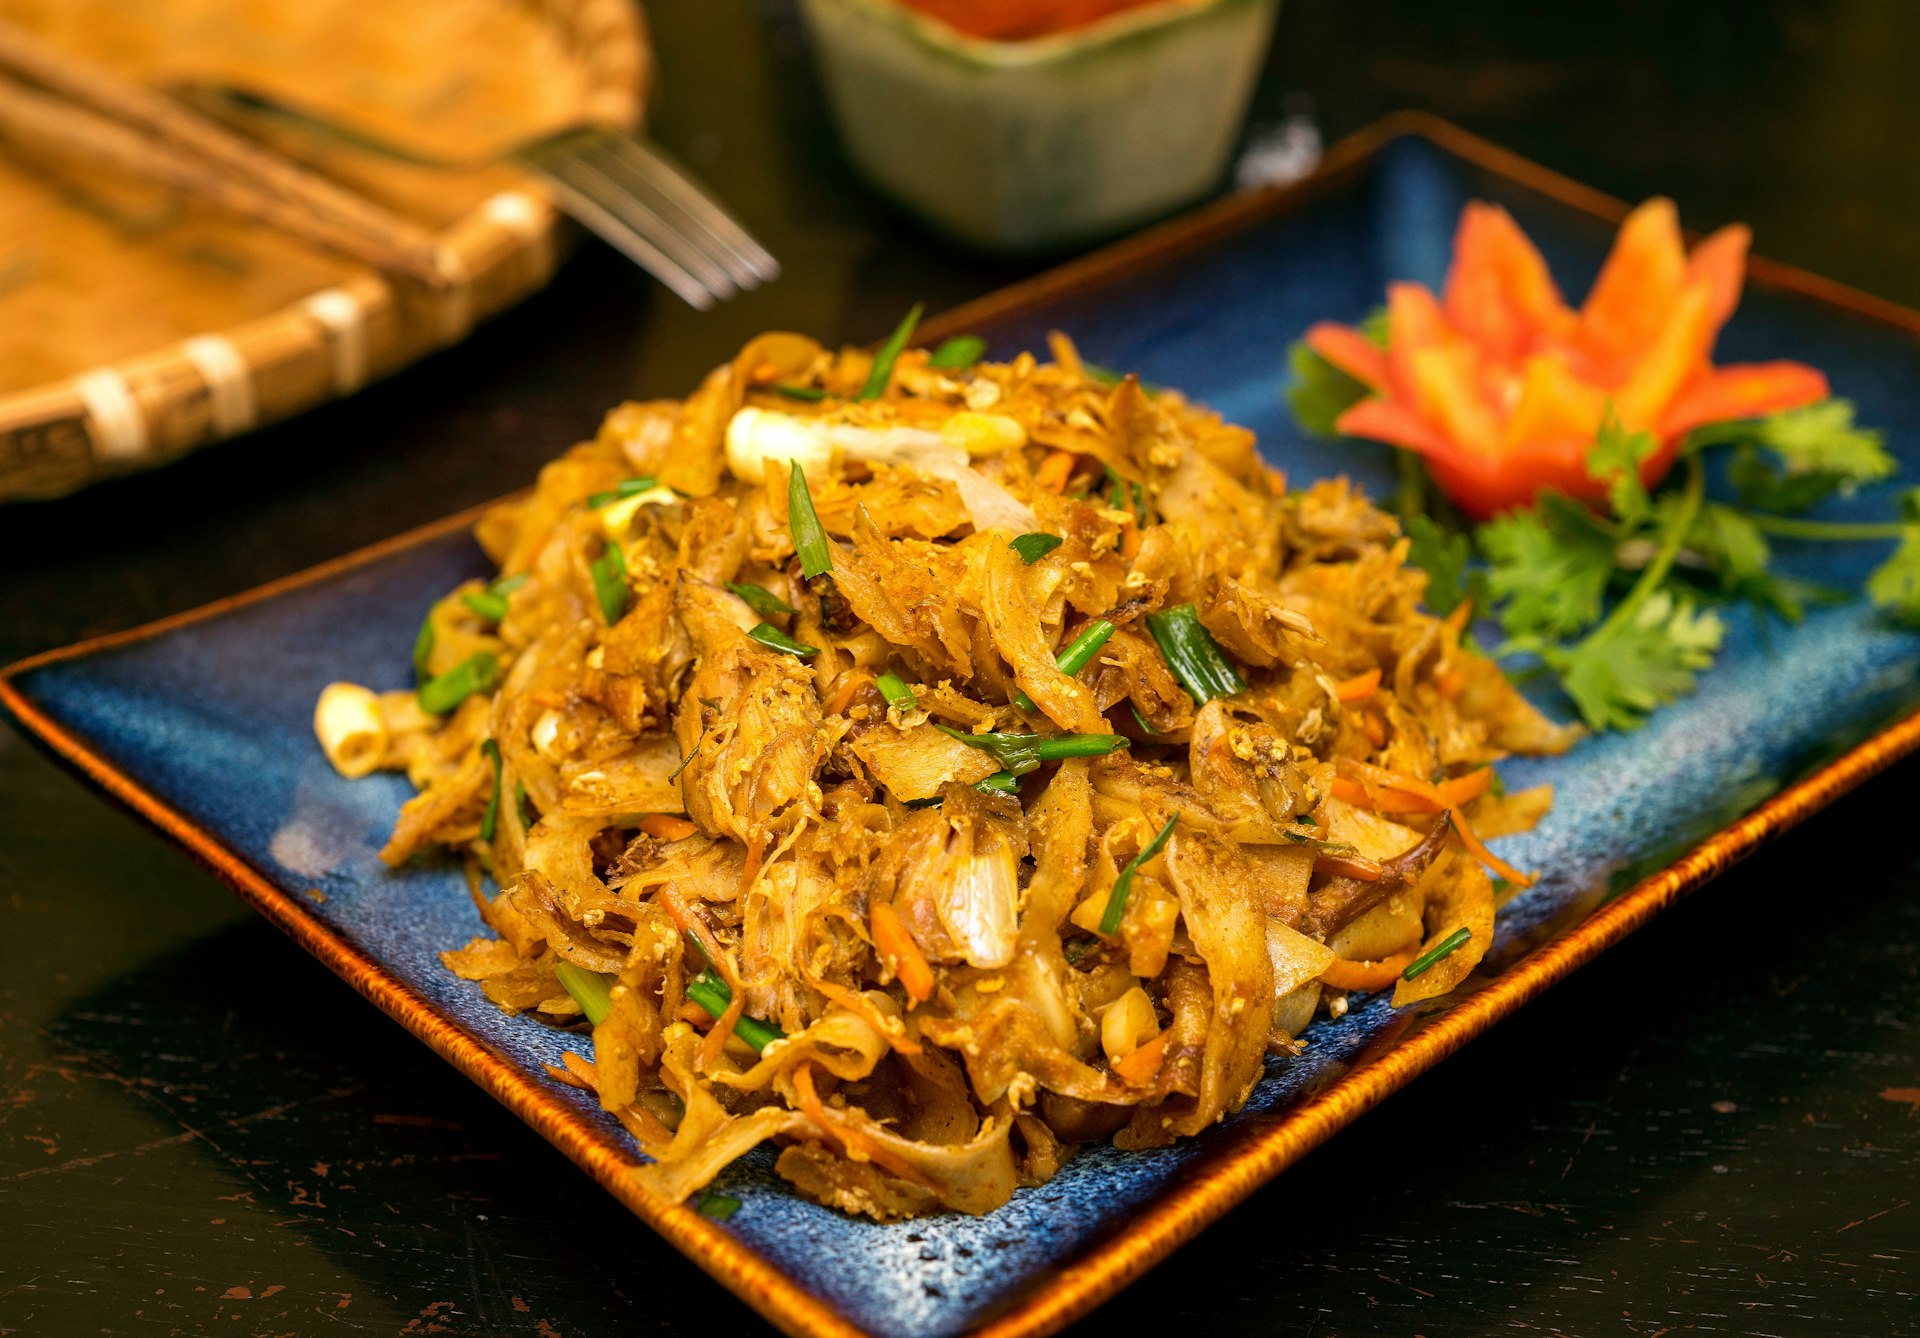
{"x":1021,"y":753}
{"x":1033,"y":547}
{"x":760,"y":599}
{"x":1193,"y":655}
{"x":1074,"y":658}
{"x":491,"y":603}
{"x":958,"y":353}
{"x":716,"y":1205}
{"x":1122,"y":491}
{"x":889,"y":354}
{"x":812,"y":394}
{"x":1146,"y":726}
{"x":674,"y":775}
{"x":491,"y":818}
{"x":477,"y":673}
{"x":624,"y":488}
{"x":590,"y":989}
{"x":896,"y":691}
{"x":769,"y":635}
{"x":423,"y":647}
{"x":1444,"y":948}
{"x":1117,"y":899}
{"x":712,"y":994}
{"x":1000,"y":782}
{"x":527,"y":816}
{"x":610,"y":583}
{"x":1107,"y":377}
{"x":809,"y":537}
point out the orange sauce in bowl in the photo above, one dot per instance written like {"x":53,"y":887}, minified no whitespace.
{"x":1018,"y":20}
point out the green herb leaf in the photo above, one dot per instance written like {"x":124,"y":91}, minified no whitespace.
{"x":490,"y":819}
{"x":1628,"y":669}
{"x":1895,"y":583}
{"x":958,"y":353}
{"x":769,"y":635}
{"x":1117,"y":899}
{"x":1033,"y":547}
{"x":889,"y":354}
{"x":592,"y":990}
{"x":1074,"y":657}
{"x":1446,"y":947}
{"x":1194,"y":656}
{"x":803,"y":522}
{"x":477,"y":673}
{"x":1795,"y":459}
{"x":712,"y":994}
{"x":760,"y":599}
{"x":1447,"y":559}
{"x":610,"y":583}
{"x":624,"y":488}
{"x":716,"y":1205}
{"x":1021,"y":753}
{"x":1319,"y":392}
{"x":1615,"y":459}
{"x":895,"y":690}
{"x":1550,"y":564}
{"x":1000,"y":782}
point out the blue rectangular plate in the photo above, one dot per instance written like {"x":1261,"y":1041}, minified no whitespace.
{"x":175,"y":721}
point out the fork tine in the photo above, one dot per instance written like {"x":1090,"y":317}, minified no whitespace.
{"x":688,"y":231}
{"x":583,"y":206}
{"x":669,"y":180}
{"x":594,"y":172}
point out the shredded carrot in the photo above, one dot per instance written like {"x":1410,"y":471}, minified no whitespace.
{"x":689,"y":923}
{"x":857,"y":1003}
{"x":666,"y":827}
{"x":1359,"y":687}
{"x":1449,"y":682}
{"x":896,"y":945}
{"x":1383,"y":791}
{"x":1139,"y":1067}
{"x":1474,"y":847}
{"x":568,"y":1076}
{"x":694,"y":1013}
{"x":1343,"y":975}
{"x":756,"y":851}
{"x":852,"y":1139}
{"x":843,"y":695}
{"x":1131,"y":538}
{"x":722,"y":1028}
{"x":1054,"y":471}
{"x":1349,"y":866}
{"x":654,"y":1137}
{"x":1374,"y":726}
{"x":1456,"y":622}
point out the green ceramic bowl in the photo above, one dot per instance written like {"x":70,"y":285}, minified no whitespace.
{"x":1036,"y":145}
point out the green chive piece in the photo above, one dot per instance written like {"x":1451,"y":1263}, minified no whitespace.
{"x":811,"y":394}
{"x":895,"y":690}
{"x":1446,"y":947}
{"x":1194,"y":656}
{"x":527,"y":816}
{"x":958,"y":353}
{"x":610,"y":583}
{"x":1033,"y":547}
{"x":1146,"y":726}
{"x":1074,"y":658}
{"x":716,"y":1205}
{"x":590,"y":989}
{"x":624,"y":488}
{"x":491,"y":818}
{"x":1108,"y":378}
{"x":1117,"y":899}
{"x":809,"y":537}
{"x":1126,"y":496}
{"x":1021,"y":753}
{"x":423,"y":648}
{"x":760,"y":599}
{"x":491,"y":603}
{"x":769,"y":635}
{"x":477,"y":673}
{"x":674,"y":775}
{"x":1000,"y":782}
{"x":713,"y":995}
{"x":889,"y":353}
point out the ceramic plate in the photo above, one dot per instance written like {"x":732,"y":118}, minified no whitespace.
{"x":180,"y":721}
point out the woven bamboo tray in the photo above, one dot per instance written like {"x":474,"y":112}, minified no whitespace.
{"x":137,"y":324}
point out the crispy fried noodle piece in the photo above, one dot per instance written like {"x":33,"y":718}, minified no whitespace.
{"x":1088,"y":765}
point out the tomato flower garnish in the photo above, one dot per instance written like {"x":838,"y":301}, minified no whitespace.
{"x":1502,"y":387}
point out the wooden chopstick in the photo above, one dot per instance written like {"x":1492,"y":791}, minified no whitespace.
{"x":182,"y":148}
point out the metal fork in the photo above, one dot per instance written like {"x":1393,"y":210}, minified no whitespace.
{"x":623,"y":189}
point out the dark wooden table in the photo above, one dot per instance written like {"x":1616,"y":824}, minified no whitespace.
{"x":1715,"y":1128}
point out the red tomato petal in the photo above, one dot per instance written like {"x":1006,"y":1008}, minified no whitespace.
{"x":1720,"y":262}
{"x":1499,"y":292}
{"x":1746,"y":390}
{"x":1447,"y":391}
{"x":1553,"y":405}
{"x":1414,"y":322}
{"x":1350,"y":351}
{"x":1639,"y":286}
{"x":1396,"y":424}
{"x":1678,"y":352}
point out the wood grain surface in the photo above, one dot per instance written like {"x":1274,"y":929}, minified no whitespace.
{"x":1714,"y":1129}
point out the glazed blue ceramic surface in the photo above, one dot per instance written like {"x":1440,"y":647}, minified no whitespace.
{"x":214,"y":717}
